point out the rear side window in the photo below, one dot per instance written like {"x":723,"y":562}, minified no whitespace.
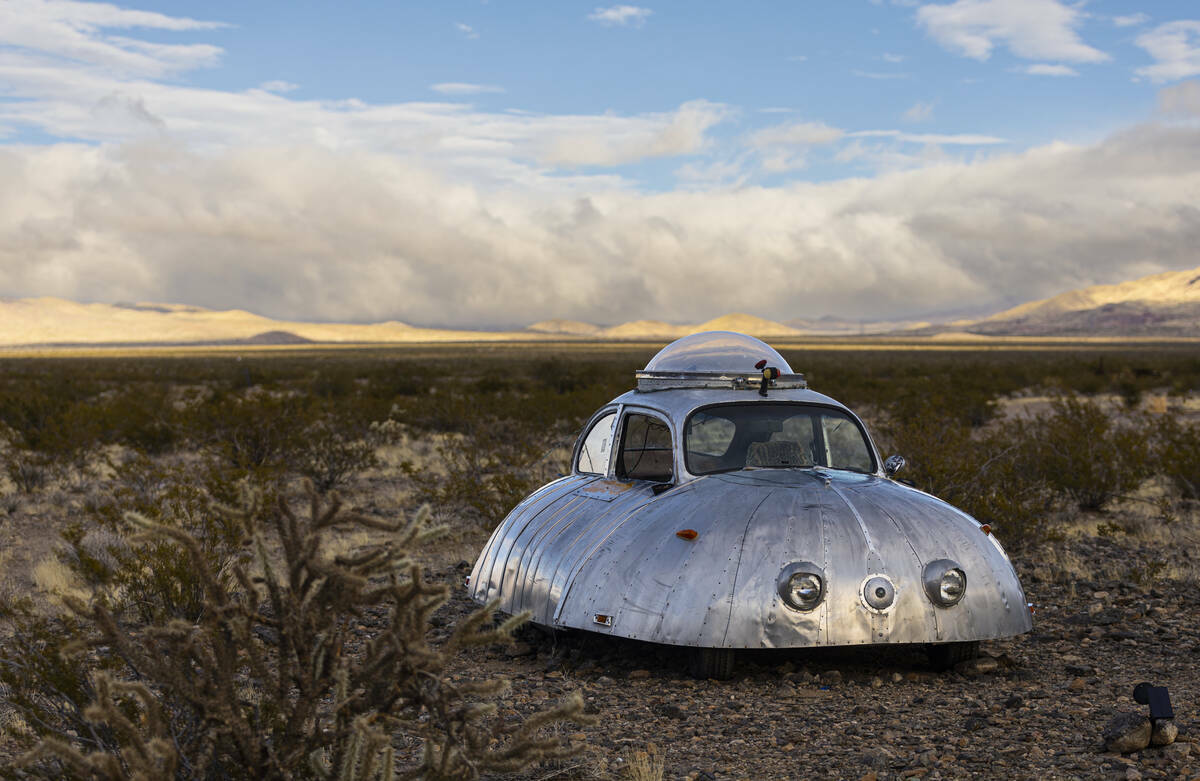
{"x":597,"y":447}
{"x":645,"y":450}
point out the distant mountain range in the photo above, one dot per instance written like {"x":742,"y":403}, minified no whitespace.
{"x":1163,"y":305}
{"x":1166,"y":304}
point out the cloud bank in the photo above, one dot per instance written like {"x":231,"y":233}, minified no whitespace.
{"x":310,"y":233}
{"x":437,"y":213}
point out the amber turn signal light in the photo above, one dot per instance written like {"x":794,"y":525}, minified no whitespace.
{"x":986,"y":528}
{"x":687,"y":534}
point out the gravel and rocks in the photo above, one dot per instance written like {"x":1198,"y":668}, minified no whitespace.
{"x":1034,"y":706}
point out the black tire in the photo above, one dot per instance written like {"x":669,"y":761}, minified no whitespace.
{"x":943,"y":656}
{"x":712,"y":663}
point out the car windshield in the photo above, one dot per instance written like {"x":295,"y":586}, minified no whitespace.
{"x":761,"y":435}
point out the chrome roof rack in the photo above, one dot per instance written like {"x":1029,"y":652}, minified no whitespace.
{"x":658,"y":380}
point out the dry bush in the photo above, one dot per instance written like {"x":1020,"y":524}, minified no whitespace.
{"x":1088,"y":455}
{"x":985,"y":471}
{"x":273,"y":679}
{"x":647,"y":765}
{"x":1177,"y":454}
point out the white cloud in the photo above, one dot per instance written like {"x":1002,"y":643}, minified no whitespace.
{"x":877,"y":75}
{"x":1132,"y":20}
{"x":1030,"y":29}
{"x":467,"y":30}
{"x":1175,"y":48}
{"x":303,"y":232}
{"x":951,"y":139}
{"x":1181,"y":99}
{"x":919,"y":112}
{"x":621,"y":15}
{"x":785,"y":147}
{"x":463,"y":88}
{"x":349,"y":210}
{"x":893,"y":58}
{"x":796,"y":134}
{"x":61,"y":30}
{"x":1045,"y":69}
{"x":280,"y":87}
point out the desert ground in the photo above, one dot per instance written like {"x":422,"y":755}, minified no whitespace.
{"x":1113,"y":584}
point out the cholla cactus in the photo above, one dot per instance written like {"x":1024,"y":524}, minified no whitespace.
{"x":263,"y":686}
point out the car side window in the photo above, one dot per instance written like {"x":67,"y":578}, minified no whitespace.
{"x":597,"y":447}
{"x":645,"y":452}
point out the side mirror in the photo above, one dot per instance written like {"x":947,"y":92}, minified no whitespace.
{"x":893,"y":465}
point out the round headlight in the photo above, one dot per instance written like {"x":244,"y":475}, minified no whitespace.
{"x":945,"y":582}
{"x":801,"y":586}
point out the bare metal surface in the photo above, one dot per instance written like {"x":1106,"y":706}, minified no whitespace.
{"x":593,"y":545}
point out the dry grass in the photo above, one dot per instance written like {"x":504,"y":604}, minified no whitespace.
{"x":56,"y":581}
{"x":646,"y":765}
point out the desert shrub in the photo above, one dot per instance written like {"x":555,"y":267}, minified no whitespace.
{"x":1084,"y":453}
{"x":152,"y":581}
{"x":141,"y":418}
{"x":49,"y":691}
{"x":252,"y":432}
{"x":275,"y":680}
{"x":1177,"y":454}
{"x":331,"y":454}
{"x":984,"y":471}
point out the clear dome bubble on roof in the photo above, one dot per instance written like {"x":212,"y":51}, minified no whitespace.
{"x":716,"y":351}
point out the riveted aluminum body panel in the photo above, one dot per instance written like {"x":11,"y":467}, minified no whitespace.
{"x":589,"y":545}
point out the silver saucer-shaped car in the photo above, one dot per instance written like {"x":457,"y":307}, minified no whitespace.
{"x":723,"y":505}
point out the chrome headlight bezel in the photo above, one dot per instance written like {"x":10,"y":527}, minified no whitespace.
{"x":800,"y":575}
{"x":942,"y":578}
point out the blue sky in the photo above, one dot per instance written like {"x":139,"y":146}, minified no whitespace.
{"x":676,"y":160}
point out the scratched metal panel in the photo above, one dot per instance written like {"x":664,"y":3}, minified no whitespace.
{"x":994,"y":604}
{"x":647,"y":577}
{"x":788,"y":528}
{"x":559,"y":546}
{"x":488,"y":574}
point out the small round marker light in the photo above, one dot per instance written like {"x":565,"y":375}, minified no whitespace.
{"x":687,"y":534}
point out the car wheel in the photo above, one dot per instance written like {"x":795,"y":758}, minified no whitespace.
{"x":943,"y":656}
{"x":712,"y":663}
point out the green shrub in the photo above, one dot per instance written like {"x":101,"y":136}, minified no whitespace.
{"x":982,"y":471}
{"x":1177,"y":454}
{"x":332,"y":453}
{"x":1082,"y":452}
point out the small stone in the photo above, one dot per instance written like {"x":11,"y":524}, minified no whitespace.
{"x":520,"y":649}
{"x":638,"y":674}
{"x":980,"y":666}
{"x":876,"y":683}
{"x":1178,"y":750}
{"x":1164,"y":733}
{"x":1077,"y":685}
{"x":975,"y":723}
{"x":1127,"y":732}
{"x":603,"y":680}
{"x":670,"y":710}
{"x":831,"y":676}
{"x":897,"y":678}
{"x":1014,"y":701}
{"x":1132,"y":774}
{"x":868,"y":777}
